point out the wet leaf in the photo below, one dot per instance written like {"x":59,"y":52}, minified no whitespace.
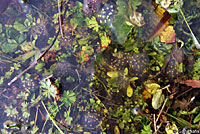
{"x":129,"y":91}
{"x":157,"y":99}
{"x":167,"y":35}
{"x":50,"y":90}
{"x":135,"y":18}
{"x":192,"y":83}
{"x":120,"y":27}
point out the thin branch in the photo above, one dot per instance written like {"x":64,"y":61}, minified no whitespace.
{"x":36,"y":115}
{"x":60,"y":19}
{"x":36,"y":61}
{"x":162,"y":109}
{"x":154,"y":122}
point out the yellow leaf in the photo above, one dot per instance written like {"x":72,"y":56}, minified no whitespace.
{"x":152,"y":87}
{"x":171,"y":128}
{"x":112,"y":74}
{"x":133,"y":79}
{"x":116,"y":130}
{"x":129,"y":91}
{"x":167,"y":34}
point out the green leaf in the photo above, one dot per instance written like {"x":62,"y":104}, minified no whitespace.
{"x":146,"y":130}
{"x":9,"y":47}
{"x":26,"y":56}
{"x":119,"y":23}
{"x":56,"y":45}
{"x":50,"y":89}
{"x":112,"y":74}
{"x":92,"y":23}
{"x":39,"y":66}
{"x":197,"y":118}
{"x":129,"y":91}
{"x":68,"y":98}
{"x":157,"y":99}
{"x":20,"y":27}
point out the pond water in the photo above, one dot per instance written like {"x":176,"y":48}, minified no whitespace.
{"x":99,"y":66}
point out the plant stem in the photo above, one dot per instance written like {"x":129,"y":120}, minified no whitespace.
{"x":52,"y":119}
{"x":196,"y":43}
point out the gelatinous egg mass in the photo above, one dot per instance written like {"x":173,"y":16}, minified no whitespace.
{"x":106,"y":14}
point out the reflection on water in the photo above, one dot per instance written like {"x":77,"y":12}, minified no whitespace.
{"x":85,"y":86}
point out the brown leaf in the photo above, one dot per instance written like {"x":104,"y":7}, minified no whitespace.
{"x":192,"y":83}
{"x":180,"y":104}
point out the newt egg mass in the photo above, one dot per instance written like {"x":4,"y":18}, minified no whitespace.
{"x":106,"y":14}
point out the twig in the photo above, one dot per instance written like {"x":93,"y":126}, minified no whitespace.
{"x":154,"y":122}
{"x":36,"y":115}
{"x":36,"y":61}
{"x":60,"y":20}
{"x":162,"y":109}
{"x":159,"y":115}
{"x":184,"y":92}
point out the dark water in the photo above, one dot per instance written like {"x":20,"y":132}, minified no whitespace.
{"x":91,"y":81}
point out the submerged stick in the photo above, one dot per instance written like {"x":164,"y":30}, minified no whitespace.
{"x":36,"y":61}
{"x":60,"y":19}
{"x":160,"y":25}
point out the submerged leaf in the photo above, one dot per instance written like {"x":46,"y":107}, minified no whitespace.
{"x":120,"y":27}
{"x":192,"y":83}
{"x":157,"y":99}
{"x":171,"y":128}
{"x":112,"y":74}
{"x":129,"y":91}
{"x":168,"y":35}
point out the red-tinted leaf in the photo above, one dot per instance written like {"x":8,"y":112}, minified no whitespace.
{"x":192,"y":83}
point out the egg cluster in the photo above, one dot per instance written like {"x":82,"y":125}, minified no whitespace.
{"x":106,"y":14}
{"x":27,"y":83}
{"x":90,"y":120}
{"x":119,"y":63}
{"x":172,"y":68}
{"x":91,"y":6}
{"x":136,"y":63}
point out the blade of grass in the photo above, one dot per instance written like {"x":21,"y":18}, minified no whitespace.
{"x":196,"y":43}
{"x":52,"y":119}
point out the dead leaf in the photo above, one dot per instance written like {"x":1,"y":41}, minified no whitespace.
{"x":192,"y":83}
{"x":167,"y":35}
{"x":180,"y":104}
